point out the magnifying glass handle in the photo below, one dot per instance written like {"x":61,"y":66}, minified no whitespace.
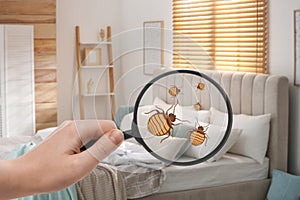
{"x":127,"y":134}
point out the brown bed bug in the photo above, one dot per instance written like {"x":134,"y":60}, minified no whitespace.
{"x":161,"y":123}
{"x":200,"y":86}
{"x":198,"y":136}
{"x":197,"y":106}
{"x":174,"y":91}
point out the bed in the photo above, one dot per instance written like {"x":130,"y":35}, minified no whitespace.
{"x":232,"y":176}
{"x":250,"y":94}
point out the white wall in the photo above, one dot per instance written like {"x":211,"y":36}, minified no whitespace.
{"x":282,"y":62}
{"x":133,"y":14}
{"x":90,"y":15}
{"x":127,"y":17}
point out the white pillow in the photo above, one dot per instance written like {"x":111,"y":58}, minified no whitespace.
{"x":187,"y":113}
{"x":126,"y":122}
{"x":190,"y":114}
{"x":218,"y":118}
{"x":44,"y":133}
{"x":167,"y":149}
{"x":253,"y":141}
{"x":161,"y":103}
{"x":233,"y":137}
{"x":127,"y":119}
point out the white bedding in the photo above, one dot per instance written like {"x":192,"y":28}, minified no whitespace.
{"x":7,"y":144}
{"x":231,"y":168}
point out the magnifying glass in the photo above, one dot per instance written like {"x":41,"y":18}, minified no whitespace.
{"x":176,"y":128}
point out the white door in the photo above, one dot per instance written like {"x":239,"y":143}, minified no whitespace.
{"x":17,"y":80}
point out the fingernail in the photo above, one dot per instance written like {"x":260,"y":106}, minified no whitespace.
{"x":116,"y":137}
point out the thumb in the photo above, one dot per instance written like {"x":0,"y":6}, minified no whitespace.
{"x":104,"y":146}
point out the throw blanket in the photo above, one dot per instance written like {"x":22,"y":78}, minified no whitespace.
{"x":108,"y":182}
{"x":142,"y":173}
{"x":103,"y":183}
{"x":141,"y":181}
{"x":66,"y":194}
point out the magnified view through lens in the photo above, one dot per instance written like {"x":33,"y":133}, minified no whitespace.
{"x":172,"y":117}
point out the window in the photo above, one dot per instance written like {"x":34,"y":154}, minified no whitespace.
{"x":221,"y":34}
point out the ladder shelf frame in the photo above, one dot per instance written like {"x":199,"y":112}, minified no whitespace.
{"x":109,"y":67}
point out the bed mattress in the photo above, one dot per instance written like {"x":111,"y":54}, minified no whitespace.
{"x":231,"y":168}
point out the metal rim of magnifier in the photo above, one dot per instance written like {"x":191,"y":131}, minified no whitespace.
{"x":137,"y":135}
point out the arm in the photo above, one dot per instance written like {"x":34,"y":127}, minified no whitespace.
{"x":57,"y":162}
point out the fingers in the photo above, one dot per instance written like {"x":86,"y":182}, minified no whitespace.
{"x":101,"y":149}
{"x":87,"y":130}
{"x":106,"y":144}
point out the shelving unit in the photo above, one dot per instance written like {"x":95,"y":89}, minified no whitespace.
{"x":97,"y":67}
{"x":107,"y":72}
{"x":99,"y":94}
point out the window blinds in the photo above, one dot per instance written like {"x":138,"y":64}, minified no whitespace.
{"x":220,"y":34}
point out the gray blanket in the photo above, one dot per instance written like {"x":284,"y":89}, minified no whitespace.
{"x":103,"y":183}
{"x":141,"y":181}
{"x":119,"y":182}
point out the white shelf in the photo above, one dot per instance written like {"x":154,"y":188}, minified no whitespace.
{"x":97,"y":67}
{"x":99,"y":94}
{"x":95,"y":43}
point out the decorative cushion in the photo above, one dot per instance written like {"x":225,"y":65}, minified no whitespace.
{"x":284,"y":186}
{"x":253,"y":141}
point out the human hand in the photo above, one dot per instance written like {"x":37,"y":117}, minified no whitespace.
{"x":57,"y":162}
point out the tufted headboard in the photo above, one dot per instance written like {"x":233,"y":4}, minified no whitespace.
{"x":256,"y":94}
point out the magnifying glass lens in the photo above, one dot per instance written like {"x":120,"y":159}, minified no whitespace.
{"x":182,"y":117}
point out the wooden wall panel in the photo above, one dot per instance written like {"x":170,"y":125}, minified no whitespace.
{"x":46,"y":112}
{"x":28,"y":7}
{"x":42,"y":15}
{"x":44,"y":47}
{"x":45,"y":62}
{"x":40,"y":126}
{"x":45,"y":75}
{"x":45,"y":93}
{"x":26,"y":19}
{"x":45,"y":31}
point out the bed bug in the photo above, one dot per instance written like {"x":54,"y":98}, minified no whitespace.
{"x":200,"y":86}
{"x":174,"y":91}
{"x":197,"y":106}
{"x":161,"y":123}
{"x":198,"y":136}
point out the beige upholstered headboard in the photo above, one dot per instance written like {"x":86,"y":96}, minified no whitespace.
{"x":257,"y":94}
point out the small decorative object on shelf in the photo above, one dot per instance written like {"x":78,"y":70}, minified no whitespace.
{"x":197,"y":106}
{"x":102,"y":34}
{"x":90,"y":85}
